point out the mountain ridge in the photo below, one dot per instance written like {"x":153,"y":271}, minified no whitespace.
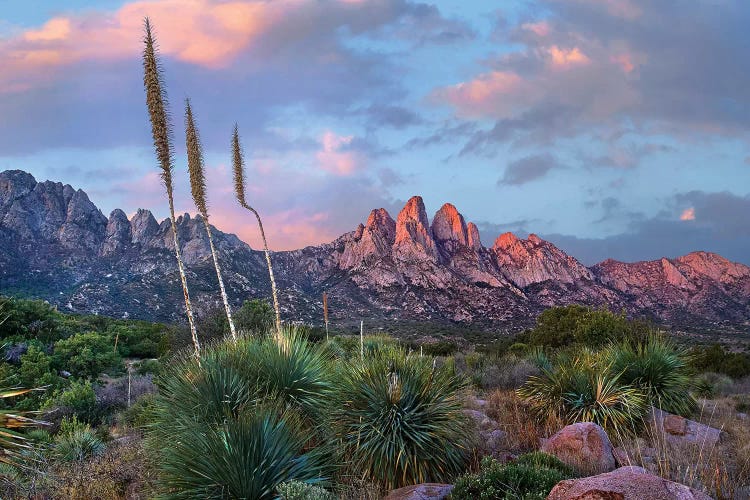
{"x":61,"y":247}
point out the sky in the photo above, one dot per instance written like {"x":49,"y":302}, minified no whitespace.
{"x":613,"y":128}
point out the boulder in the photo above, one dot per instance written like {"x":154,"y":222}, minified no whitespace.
{"x":425,"y":491}
{"x":625,"y":483}
{"x":678,"y":430}
{"x":584,"y":446}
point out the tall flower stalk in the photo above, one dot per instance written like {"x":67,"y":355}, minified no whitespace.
{"x":239,"y":188}
{"x":156,"y":101}
{"x":198,"y":189}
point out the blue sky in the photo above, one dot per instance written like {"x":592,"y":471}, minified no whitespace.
{"x":614,"y":129}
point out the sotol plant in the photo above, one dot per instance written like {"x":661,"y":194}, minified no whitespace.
{"x":198,"y":190}
{"x":400,"y":420}
{"x":157,"y":103}
{"x":238,"y":164}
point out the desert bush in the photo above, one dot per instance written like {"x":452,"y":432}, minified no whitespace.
{"x":439,"y":348}
{"x":138,"y":415}
{"x":715,"y":358}
{"x":400,"y":419}
{"x":76,"y":441}
{"x":541,"y":460}
{"x":510,"y":372}
{"x":527,"y":478}
{"x":583,"y":388}
{"x":711,"y":384}
{"x":255,"y":316}
{"x":297,"y":490}
{"x":522,"y":433}
{"x":659,"y":368}
{"x":78,"y":399}
{"x":148,"y":366}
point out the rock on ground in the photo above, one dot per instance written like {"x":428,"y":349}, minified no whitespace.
{"x":425,"y":491}
{"x":625,"y":483}
{"x":584,"y":446}
{"x":679,"y":430}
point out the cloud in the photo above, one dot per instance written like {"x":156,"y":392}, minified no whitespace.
{"x":528,"y":169}
{"x":607,"y":69}
{"x":718,"y":224}
{"x":688,"y":214}
{"x":334,"y":157}
{"x":256,"y":62}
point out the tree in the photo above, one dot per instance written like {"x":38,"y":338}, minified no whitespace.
{"x":239,"y":188}
{"x":156,"y":101}
{"x":198,"y":189}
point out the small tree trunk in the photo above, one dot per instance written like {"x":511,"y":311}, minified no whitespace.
{"x":362,"y":339}
{"x":228,"y":309}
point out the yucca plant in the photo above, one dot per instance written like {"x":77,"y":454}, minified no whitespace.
{"x":660,"y":369}
{"x":198,"y":190}
{"x":584,"y":388}
{"x":238,"y":164}
{"x":78,"y":445}
{"x":400,"y":420}
{"x":157,"y":103}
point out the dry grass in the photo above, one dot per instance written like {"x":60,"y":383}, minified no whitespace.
{"x":523,"y":432}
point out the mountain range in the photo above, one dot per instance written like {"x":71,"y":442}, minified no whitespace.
{"x":58,"y":246}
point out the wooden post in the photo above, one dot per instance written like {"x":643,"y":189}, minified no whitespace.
{"x":362,"y":339}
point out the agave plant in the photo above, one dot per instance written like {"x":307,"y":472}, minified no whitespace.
{"x":400,"y":420}
{"x":157,"y":103}
{"x":584,"y":388}
{"x":198,"y":190}
{"x":238,"y":164}
{"x":660,"y":369}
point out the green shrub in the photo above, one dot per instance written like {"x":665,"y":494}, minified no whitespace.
{"x":76,"y":441}
{"x":148,"y":366}
{"x":659,"y":368}
{"x":439,"y":348}
{"x":522,"y":479}
{"x":86,"y":355}
{"x":78,"y":399}
{"x":400,"y":420}
{"x":541,"y":460}
{"x":584,"y":388}
{"x":715,"y":358}
{"x":255,"y":316}
{"x":139,"y":413}
{"x":297,"y":490}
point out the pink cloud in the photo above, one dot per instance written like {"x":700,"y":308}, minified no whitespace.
{"x":474,"y":96}
{"x":204,"y":33}
{"x":540,"y":29}
{"x":333,"y":156}
{"x":567,"y":58}
{"x":625,"y":62}
{"x":688,"y":214}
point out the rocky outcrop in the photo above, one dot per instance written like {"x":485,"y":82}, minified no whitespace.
{"x":584,"y":446}
{"x":625,"y":483}
{"x":533,"y":260}
{"x":58,"y":244}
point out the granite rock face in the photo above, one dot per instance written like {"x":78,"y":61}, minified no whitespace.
{"x":57,"y":245}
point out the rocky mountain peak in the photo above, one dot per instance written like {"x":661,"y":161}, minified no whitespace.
{"x":413,"y":234}
{"x":15,"y":184}
{"x":473,"y":234}
{"x":143,"y":226}
{"x":505,"y":241}
{"x":381,"y":222}
{"x":449,"y":226}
